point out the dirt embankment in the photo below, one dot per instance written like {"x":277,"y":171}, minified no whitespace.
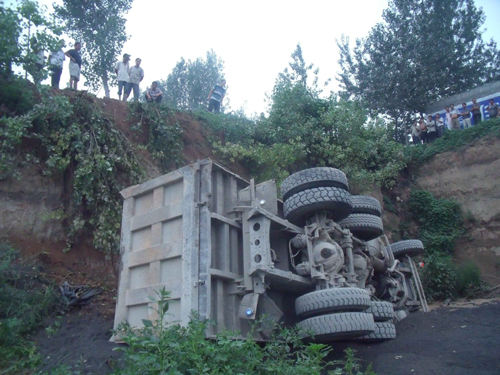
{"x":471,"y":176}
{"x":29,"y":205}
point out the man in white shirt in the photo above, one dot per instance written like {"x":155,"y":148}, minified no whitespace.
{"x":448,"y":117}
{"x":440,"y":125}
{"x":455,"y":122}
{"x":56,"y":60}
{"x":122,"y":72}
{"x":136,"y":75}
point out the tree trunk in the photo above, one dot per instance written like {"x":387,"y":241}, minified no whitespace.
{"x":105,"y":85}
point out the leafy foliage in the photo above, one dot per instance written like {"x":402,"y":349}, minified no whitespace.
{"x":233,"y":127}
{"x":161,"y":348}
{"x":388,"y":73}
{"x":100,"y":27}
{"x":26,"y":30}
{"x":26,"y":298}
{"x":439,"y":277}
{"x":440,"y":221}
{"x":468,"y":278}
{"x":190,"y":82}
{"x":304,"y":130}
{"x":165,"y":133}
{"x":16,"y":94}
{"x":95,"y":158}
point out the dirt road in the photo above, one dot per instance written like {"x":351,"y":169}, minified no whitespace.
{"x":445,"y":341}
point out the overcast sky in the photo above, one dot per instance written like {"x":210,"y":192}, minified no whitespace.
{"x":255,"y":39}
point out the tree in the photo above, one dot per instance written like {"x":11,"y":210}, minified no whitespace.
{"x":423,"y":51}
{"x":305,"y":130}
{"x":295,"y":107}
{"x":25,"y":29}
{"x":100,"y":26}
{"x":190,"y":82}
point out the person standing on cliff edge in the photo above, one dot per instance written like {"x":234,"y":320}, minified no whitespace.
{"x":75,"y":65}
{"x":216,"y":96}
{"x":493,"y":109}
{"x":476,"y":112}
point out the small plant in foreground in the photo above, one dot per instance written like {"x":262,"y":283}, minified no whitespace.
{"x":165,"y":348}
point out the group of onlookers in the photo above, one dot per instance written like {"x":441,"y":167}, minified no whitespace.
{"x":128,"y":77}
{"x":427,"y":131}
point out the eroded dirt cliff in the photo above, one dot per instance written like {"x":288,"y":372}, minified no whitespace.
{"x":471,"y":176}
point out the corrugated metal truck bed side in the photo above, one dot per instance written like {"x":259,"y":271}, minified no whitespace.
{"x":179,"y":232}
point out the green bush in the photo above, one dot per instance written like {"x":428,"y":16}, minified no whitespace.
{"x":439,"y":277}
{"x":165,"y":133}
{"x":468,"y":278}
{"x":234,"y":127}
{"x":26,"y":299}
{"x":440,"y":221}
{"x":161,"y":348}
{"x":17,"y":94}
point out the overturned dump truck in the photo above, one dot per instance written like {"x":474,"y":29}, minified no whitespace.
{"x":229,"y":250}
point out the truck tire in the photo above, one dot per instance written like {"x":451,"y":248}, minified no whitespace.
{"x":383,"y":331}
{"x":299,"y":206}
{"x":363,"y":204}
{"x":311,"y":178}
{"x":363,"y":226}
{"x":332,"y":300}
{"x":407,"y":247}
{"x":339,"y":326}
{"x":382,"y":311}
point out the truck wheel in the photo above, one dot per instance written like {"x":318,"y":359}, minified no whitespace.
{"x":382,"y":311}
{"x":363,"y":226}
{"x":332,"y":300}
{"x":339,"y":326}
{"x":311,"y":178}
{"x":363,"y":204}
{"x":298,"y":207}
{"x":407,"y":247}
{"x":383,"y":331}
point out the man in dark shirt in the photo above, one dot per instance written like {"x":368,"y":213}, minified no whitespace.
{"x":476,"y":112}
{"x":216,"y":96}
{"x":466,"y":116}
{"x":75,"y":65}
{"x":493,"y":109}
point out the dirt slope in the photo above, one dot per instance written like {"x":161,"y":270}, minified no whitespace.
{"x":471,"y":176}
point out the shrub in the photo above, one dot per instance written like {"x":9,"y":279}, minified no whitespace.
{"x":161,"y":348}
{"x":17,"y":94}
{"x":165,"y":133}
{"x":468,"y":278}
{"x":440,"y":221}
{"x":439,"y":277}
